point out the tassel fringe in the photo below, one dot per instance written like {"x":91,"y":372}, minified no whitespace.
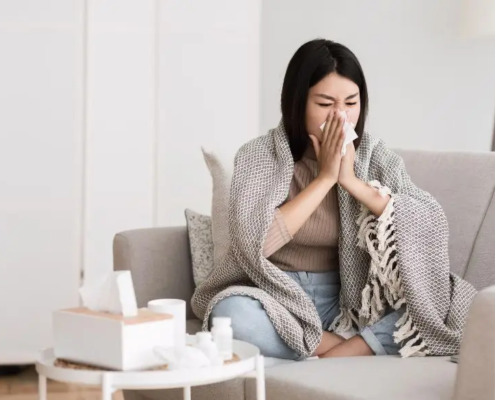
{"x":343,"y":324}
{"x":377,"y":236}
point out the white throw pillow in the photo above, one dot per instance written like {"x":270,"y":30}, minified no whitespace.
{"x":221,"y":166}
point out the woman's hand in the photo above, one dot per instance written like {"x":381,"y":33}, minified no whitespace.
{"x":328,"y":150}
{"x":346,"y":173}
{"x":357,"y":188}
{"x":297,"y":211}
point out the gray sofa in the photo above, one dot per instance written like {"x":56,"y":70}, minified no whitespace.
{"x":464,"y":184}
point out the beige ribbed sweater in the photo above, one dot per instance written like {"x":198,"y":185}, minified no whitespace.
{"x":314,"y":248}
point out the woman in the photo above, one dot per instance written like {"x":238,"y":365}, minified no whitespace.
{"x":333,"y":254}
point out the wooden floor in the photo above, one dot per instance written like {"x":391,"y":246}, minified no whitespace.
{"x":24,"y":386}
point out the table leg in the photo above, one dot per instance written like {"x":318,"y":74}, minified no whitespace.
{"x":260,"y":378}
{"x":187,"y":393}
{"x":106,"y":387}
{"x":42,"y":387}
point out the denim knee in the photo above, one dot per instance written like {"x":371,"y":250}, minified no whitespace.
{"x":380,"y":336}
{"x":251,"y":324}
{"x":232,"y":307}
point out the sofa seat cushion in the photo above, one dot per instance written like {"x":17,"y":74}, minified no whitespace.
{"x":360,"y":378}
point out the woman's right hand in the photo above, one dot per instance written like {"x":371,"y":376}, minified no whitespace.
{"x":328,"y":150}
{"x":297,"y":211}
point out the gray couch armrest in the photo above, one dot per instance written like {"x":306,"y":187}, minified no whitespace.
{"x":475,"y":375}
{"x":159,"y":261}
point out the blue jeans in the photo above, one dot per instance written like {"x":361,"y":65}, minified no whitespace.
{"x":251,"y":323}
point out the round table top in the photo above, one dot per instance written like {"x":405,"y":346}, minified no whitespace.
{"x":151,"y":379}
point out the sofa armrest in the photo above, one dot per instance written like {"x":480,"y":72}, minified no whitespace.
{"x":159,"y":261}
{"x":475,"y":375}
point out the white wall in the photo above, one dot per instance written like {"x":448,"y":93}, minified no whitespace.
{"x":164,"y":78}
{"x":120,"y":125}
{"x":208,"y":94}
{"x":104,"y":107}
{"x":429,"y":88}
{"x":41,"y":101}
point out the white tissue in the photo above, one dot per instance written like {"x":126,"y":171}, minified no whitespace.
{"x":350,"y":133}
{"x":196,"y":354}
{"x":113,"y":293}
{"x":205,"y":343}
{"x":183,"y":357}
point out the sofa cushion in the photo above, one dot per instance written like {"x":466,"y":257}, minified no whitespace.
{"x":360,"y":378}
{"x":200,"y":245}
{"x":463,"y":184}
{"x":221,"y":165}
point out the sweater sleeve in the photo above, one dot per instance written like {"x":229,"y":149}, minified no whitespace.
{"x":278,"y":235}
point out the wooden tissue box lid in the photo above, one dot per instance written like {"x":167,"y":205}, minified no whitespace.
{"x":144,"y":315}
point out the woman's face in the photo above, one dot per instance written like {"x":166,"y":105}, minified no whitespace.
{"x":333,"y":92}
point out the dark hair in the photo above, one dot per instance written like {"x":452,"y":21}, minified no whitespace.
{"x":309,"y":65}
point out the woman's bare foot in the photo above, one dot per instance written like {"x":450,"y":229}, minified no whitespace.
{"x":355,"y":346}
{"x":328,"y":341}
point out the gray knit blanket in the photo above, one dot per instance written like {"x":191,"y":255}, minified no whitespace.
{"x":395,"y":260}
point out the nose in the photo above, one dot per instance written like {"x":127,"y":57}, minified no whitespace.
{"x":343,"y":110}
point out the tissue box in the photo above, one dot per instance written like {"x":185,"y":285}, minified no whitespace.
{"x":111,"y":341}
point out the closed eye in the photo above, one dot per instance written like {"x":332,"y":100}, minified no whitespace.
{"x":326,"y":105}
{"x":351,"y":104}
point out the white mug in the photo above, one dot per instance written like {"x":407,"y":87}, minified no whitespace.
{"x":176,"y":308}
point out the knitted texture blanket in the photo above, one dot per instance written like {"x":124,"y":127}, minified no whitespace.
{"x":399,"y":259}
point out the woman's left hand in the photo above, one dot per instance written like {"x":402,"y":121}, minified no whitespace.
{"x":346,"y":174}
{"x":362,"y":192}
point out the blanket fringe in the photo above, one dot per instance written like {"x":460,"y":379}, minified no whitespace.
{"x":378,"y":304}
{"x":365,"y":302}
{"x":366,"y":223}
{"x":384,"y":286}
{"x":405,"y":331}
{"x":414,"y":351}
{"x":415,"y":346}
{"x":343,"y":323}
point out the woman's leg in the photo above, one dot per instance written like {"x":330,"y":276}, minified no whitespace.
{"x":329,"y":340}
{"x":324,"y":290}
{"x":251,"y":324}
{"x":377,"y":339}
{"x":355,"y":346}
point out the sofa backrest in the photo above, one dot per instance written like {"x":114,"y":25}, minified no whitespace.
{"x":464,"y":185}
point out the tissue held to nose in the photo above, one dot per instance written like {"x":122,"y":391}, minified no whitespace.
{"x":350,"y":133}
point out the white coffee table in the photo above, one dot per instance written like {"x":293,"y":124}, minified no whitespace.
{"x":110,"y":381}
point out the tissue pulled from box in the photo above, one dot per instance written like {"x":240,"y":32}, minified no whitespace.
{"x":185,"y":358}
{"x":350,"y":133}
{"x":112,"y":293}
